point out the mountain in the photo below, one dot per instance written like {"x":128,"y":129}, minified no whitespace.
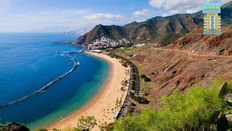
{"x":197,"y":43}
{"x":160,"y":30}
{"x":226,"y":13}
{"x":193,"y":60}
{"x":111,"y":32}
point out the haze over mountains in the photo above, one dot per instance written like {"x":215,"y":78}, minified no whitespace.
{"x":159,"y":30}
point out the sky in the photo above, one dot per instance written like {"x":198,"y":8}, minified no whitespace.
{"x":82,"y":15}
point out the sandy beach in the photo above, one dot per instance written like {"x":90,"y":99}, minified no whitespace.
{"x":106,"y":103}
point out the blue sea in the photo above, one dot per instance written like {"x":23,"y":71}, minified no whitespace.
{"x":30,"y":61}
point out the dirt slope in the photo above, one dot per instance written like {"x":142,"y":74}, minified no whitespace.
{"x":193,"y":60}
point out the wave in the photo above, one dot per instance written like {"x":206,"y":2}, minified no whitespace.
{"x":47,"y":86}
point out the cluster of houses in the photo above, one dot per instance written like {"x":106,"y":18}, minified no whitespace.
{"x":104,"y":43}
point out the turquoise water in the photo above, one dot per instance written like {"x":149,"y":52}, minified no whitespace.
{"x":30,"y":61}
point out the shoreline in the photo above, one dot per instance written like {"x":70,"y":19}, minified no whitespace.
{"x":103,"y":105}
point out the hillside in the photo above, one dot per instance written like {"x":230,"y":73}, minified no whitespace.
{"x":193,"y":60}
{"x":199,"y":44}
{"x":159,"y":30}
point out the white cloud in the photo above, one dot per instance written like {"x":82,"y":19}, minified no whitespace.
{"x":180,"y":6}
{"x":49,"y":20}
{"x":56,"y":21}
{"x":104,"y":17}
{"x":141,"y":13}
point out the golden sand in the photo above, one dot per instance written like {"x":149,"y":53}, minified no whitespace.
{"x":104,"y":106}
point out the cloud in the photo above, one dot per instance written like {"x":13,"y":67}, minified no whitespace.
{"x":141,"y":13}
{"x":104,"y":17}
{"x":80,"y":20}
{"x":180,"y":6}
{"x":49,"y":20}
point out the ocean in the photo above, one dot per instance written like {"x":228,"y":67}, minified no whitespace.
{"x":30,"y":61}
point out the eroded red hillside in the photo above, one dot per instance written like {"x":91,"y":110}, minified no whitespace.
{"x":198,"y":43}
{"x":193,"y":60}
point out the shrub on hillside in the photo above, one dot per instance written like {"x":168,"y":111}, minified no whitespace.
{"x":197,"y":109}
{"x":145,"y":78}
{"x":139,"y":99}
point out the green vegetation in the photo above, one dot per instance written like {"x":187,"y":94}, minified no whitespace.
{"x":108,"y":127}
{"x":3,"y":127}
{"x":139,"y":99}
{"x":135,"y":78}
{"x":197,"y":109}
{"x":144,"y":84}
{"x":145,"y":78}
{"x":6,"y":126}
{"x":86,"y":123}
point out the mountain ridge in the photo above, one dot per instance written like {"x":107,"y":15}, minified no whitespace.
{"x":159,"y":30}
